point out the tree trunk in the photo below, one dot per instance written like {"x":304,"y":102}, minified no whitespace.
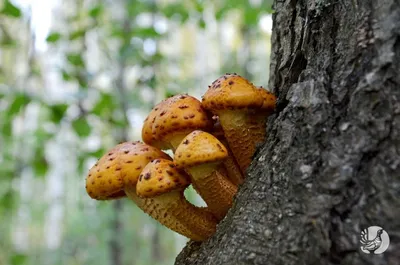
{"x":331,"y":164}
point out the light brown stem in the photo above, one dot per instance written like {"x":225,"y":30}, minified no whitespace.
{"x":175,"y":212}
{"x":233,"y":171}
{"x":215,"y":189}
{"x":232,"y":168}
{"x":176,"y":140}
{"x":243,"y":131}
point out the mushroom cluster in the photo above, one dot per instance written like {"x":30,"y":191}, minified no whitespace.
{"x":213,"y":142}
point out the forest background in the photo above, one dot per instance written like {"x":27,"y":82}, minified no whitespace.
{"x":79,"y":76}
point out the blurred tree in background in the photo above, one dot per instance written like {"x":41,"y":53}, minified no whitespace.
{"x":79,"y":76}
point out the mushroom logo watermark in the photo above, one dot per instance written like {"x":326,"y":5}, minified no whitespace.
{"x":374,"y":240}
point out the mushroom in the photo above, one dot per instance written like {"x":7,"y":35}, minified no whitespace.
{"x":163,"y":184}
{"x":231,"y":166}
{"x":201,"y":154}
{"x":175,"y":118}
{"x":242,"y":109}
{"x":116,"y":174}
{"x":107,"y":178}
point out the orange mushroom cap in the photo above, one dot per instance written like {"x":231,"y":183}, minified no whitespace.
{"x":269,"y":99}
{"x":180,"y":114}
{"x":199,"y":148}
{"x":160,"y":176}
{"x":119,"y":167}
{"x":231,"y":91}
{"x":147,"y":129}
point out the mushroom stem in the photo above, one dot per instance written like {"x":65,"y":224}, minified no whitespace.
{"x":175,"y":212}
{"x":233,"y":171}
{"x":175,"y":140}
{"x":215,"y":189}
{"x":232,"y":168}
{"x":243,"y":131}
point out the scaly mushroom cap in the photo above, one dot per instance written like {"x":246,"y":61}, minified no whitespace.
{"x":147,"y":129}
{"x":119,"y":167}
{"x":160,"y":176}
{"x":199,"y":148}
{"x":180,"y":114}
{"x":231,"y":91}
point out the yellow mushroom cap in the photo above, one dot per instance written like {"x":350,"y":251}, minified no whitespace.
{"x":160,"y":176}
{"x":119,"y":167}
{"x":147,"y":129}
{"x":199,"y":148}
{"x":231,"y":91}
{"x":180,"y":114}
{"x":269,"y":99}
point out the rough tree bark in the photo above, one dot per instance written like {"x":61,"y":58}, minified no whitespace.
{"x":331,"y":164}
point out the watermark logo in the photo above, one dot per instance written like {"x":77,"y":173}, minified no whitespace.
{"x":374,"y":240}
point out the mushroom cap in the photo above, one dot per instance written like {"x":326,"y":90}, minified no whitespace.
{"x":119,"y":167}
{"x":147,"y":129}
{"x":160,"y":176}
{"x":199,"y":148}
{"x":269,"y":99}
{"x":232,"y":91}
{"x":180,"y":114}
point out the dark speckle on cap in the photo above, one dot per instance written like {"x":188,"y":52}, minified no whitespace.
{"x":147,"y":176}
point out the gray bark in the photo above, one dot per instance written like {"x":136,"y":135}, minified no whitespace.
{"x":331,"y":164}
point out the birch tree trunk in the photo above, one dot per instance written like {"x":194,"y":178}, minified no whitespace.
{"x":331,"y":164}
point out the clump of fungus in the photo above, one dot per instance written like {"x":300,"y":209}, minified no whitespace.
{"x":201,"y":154}
{"x":216,"y":161}
{"x":242,"y":109}
{"x":116,"y":175}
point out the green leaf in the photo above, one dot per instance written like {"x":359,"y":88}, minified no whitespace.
{"x":8,"y":199}
{"x":149,"y":32}
{"x":20,"y":101}
{"x":53,"y":37}
{"x":57,"y":112}
{"x":18,"y":259}
{"x":96,"y":11}
{"x":65,"y":75}
{"x":220,"y":14}
{"x":10,"y":10}
{"x":40,"y":166}
{"x":41,"y":135}
{"x":77,"y":34}
{"x":7,"y":129}
{"x":104,"y":106}
{"x":81,"y":127}
{"x":202,"y":23}
{"x":98,"y":153}
{"x":76,"y":59}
